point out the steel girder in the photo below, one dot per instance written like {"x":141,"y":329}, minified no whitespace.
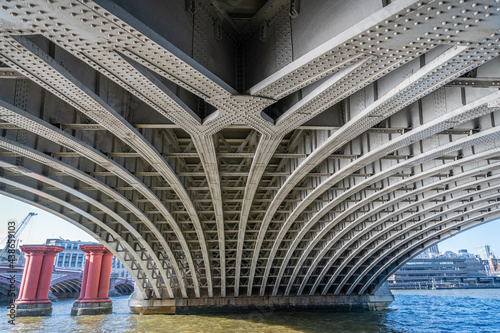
{"x":320,"y":168}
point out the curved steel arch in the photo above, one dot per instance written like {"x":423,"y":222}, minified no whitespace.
{"x":125,"y":248}
{"x":124,"y":288}
{"x":374,"y":276}
{"x":30,"y":153}
{"x":414,"y":192}
{"x":459,"y":144}
{"x":68,"y":284}
{"x":42,"y":65}
{"x":494,"y":196}
{"x":215,"y":183}
{"x":473,"y":110}
{"x":112,"y":214}
{"x":396,"y":213}
{"x":473,"y":222}
{"x":46,"y":130}
{"x":402,"y":95}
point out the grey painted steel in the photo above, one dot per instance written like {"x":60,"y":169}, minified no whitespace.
{"x":461,"y":115}
{"x":217,"y":154}
{"x":394,"y":187}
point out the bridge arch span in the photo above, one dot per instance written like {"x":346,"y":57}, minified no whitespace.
{"x":68,"y":286}
{"x":312,"y":165}
{"x":122,"y":286}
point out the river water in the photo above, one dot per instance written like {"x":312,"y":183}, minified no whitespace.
{"x":467,"y":311}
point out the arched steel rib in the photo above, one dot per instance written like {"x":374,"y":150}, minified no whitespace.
{"x":432,"y":127}
{"x":102,"y":225}
{"x":39,"y":127}
{"x":268,"y":144}
{"x":73,"y":285}
{"x":327,"y":94}
{"x":461,"y":115}
{"x":471,"y":140}
{"x":433,"y":235}
{"x":146,"y":247}
{"x":395,"y":187}
{"x":333,"y":90}
{"x":206,"y":150}
{"x":264,"y":151}
{"x":91,"y":105}
{"x":379,"y":110}
{"x":83,"y":177}
{"x":175,"y":67}
{"x":421,"y":222}
{"x":416,"y":248}
{"x":204,"y":145}
{"x":454,"y":199}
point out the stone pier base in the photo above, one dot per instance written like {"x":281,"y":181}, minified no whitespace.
{"x":33,"y":309}
{"x":203,"y":305}
{"x":91,"y":308}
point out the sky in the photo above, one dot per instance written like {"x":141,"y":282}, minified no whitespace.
{"x":46,"y":225}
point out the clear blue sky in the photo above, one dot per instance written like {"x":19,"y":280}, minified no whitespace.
{"x":46,"y":225}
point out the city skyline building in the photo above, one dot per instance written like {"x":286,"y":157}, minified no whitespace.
{"x":429,"y":252}
{"x":485,"y":252}
{"x":441,"y":269}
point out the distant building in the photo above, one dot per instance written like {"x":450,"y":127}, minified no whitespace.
{"x":430,"y":252}
{"x":72,"y":258}
{"x":465,"y":254}
{"x":485,"y":252}
{"x":434,"y":249}
{"x":425,"y":272}
{"x":492,"y":266}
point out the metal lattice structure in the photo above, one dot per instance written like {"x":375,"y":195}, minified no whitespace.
{"x":259,"y":148}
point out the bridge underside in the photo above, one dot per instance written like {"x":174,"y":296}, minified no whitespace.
{"x":272,"y":148}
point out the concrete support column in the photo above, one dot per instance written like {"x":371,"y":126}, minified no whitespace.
{"x":97,"y":272}
{"x":33,"y":296}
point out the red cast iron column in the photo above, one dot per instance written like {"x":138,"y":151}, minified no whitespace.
{"x":104,"y":280}
{"x":34,"y":291}
{"x":42,"y":293}
{"x":36,"y":252}
{"x":94,"y":272}
{"x":22,"y":289}
{"x":95,"y":283}
{"x":84,"y":278}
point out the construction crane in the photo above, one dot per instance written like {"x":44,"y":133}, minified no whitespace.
{"x":18,"y":230}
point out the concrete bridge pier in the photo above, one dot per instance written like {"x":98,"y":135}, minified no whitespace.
{"x":380,"y":300}
{"x":33,"y":295}
{"x":94,"y":298}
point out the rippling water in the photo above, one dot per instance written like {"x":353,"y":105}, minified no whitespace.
{"x":413,"y":311}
